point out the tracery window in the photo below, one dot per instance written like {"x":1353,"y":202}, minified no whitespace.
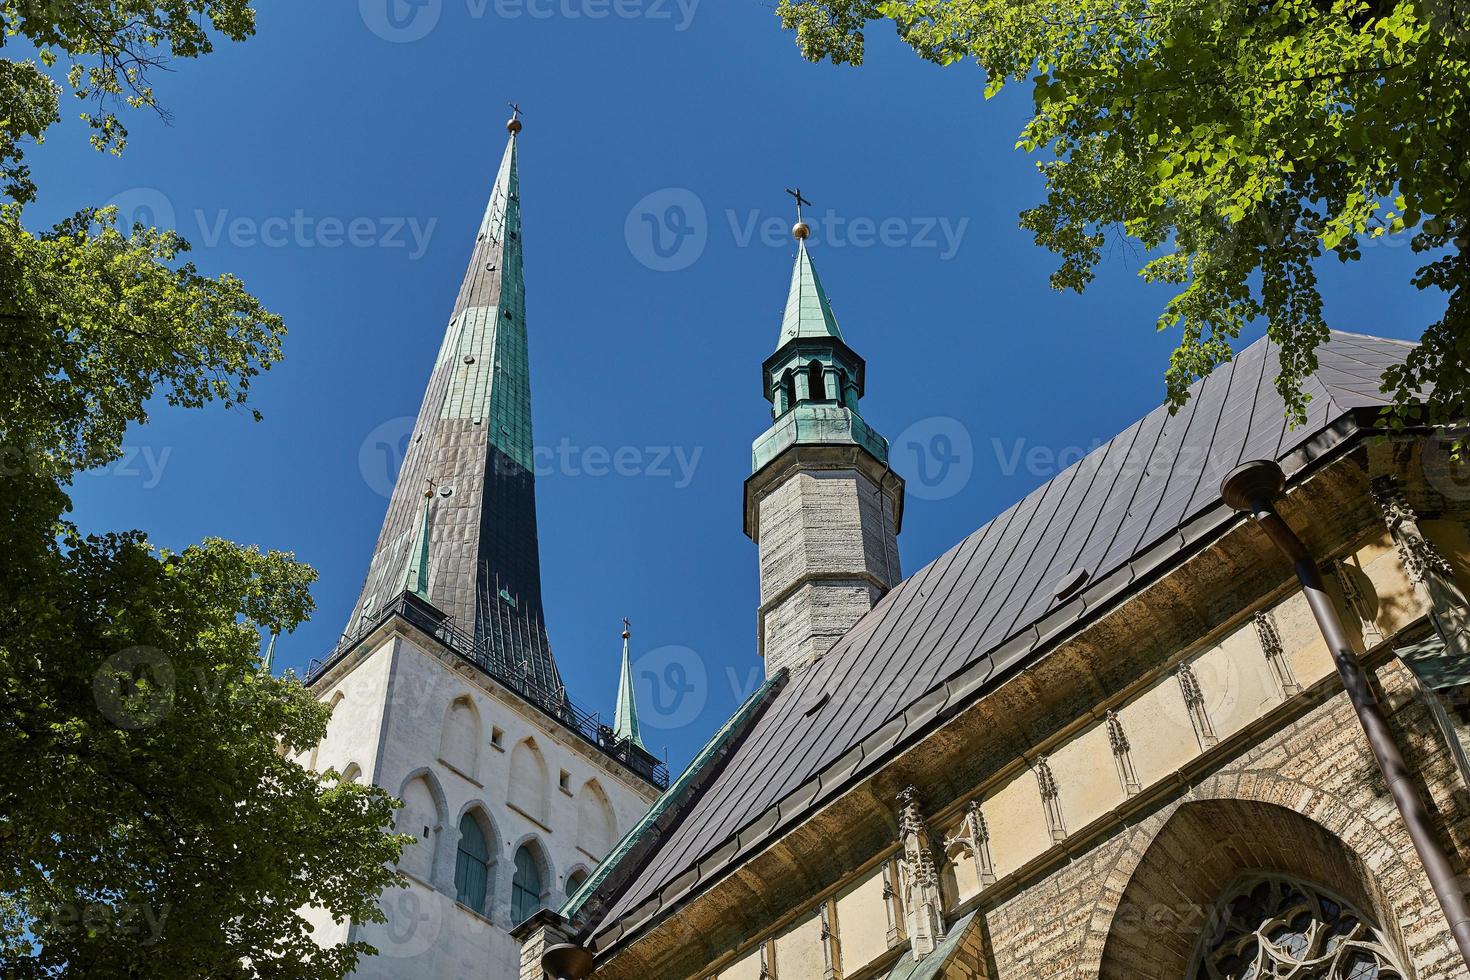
{"x":1279,"y":928}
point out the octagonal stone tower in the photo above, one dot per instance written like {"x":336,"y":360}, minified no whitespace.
{"x":821,"y":504}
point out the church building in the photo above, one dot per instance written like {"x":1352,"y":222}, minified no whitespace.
{"x":444,"y":688}
{"x":1193,"y":709}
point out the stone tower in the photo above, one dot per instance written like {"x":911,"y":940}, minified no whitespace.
{"x":821,"y":503}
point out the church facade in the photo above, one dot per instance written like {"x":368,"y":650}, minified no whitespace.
{"x":444,"y":688}
{"x":1116,"y":732}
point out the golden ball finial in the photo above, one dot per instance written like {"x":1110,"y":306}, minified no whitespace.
{"x":513,"y":126}
{"x":801,"y":231}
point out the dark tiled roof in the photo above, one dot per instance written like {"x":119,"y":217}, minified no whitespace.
{"x":992,"y":598}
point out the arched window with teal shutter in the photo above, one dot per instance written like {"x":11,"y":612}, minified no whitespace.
{"x":472,"y":868}
{"x":525,"y":888}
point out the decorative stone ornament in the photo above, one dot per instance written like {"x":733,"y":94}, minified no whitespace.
{"x":1275,"y":653}
{"x":1194,"y":703}
{"x":1418,"y":556}
{"x":1122,"y":754}
{"x":922,"y":903}
{"x":1051,"y":800}
{"x":973,"y":842}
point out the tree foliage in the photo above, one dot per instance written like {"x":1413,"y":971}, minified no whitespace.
{"x":152,"y":822}
{"x":1238,"y":141}
{"x":108,"y":49}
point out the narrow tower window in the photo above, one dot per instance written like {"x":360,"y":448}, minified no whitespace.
{"x":472,"y":866}
{"x":816,"y":383}
{"x":788,"y":385}
{"x":525,"y":890}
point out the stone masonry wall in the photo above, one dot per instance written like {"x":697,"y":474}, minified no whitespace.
{"x":1095,"y":917}
{"x":827,"y":544}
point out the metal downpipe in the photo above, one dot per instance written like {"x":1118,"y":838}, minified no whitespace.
{"x":1253,"y":488}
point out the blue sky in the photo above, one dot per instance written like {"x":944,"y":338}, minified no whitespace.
{"x":339,"y":164}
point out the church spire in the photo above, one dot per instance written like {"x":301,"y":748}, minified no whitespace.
{"x":808,"y":311}
{"x":473,"y":437}
{"x":821,"y":503}
{"x":625,"y":717}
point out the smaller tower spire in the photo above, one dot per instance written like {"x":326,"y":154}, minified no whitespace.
{"x":625,"y":717}
{"x":820,"y":486}
{"x":268,"y":659}
{"x":416,"y":575}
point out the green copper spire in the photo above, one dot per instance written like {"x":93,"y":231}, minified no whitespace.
{"x":808,"y":311}
{"x":813,"y":381}
{"x":416,"y":575}
{"x":625,"y":718}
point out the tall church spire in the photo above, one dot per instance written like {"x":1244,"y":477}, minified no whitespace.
{"x":625,"y":717}
{"x":478,"y":561}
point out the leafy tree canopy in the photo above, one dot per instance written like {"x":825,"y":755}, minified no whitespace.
{"x":151,"y":820}
{"x":107,"y":48}
{"x":1238,"y":141}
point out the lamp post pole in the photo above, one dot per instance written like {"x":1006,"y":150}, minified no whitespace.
{"x":1252,"y":488}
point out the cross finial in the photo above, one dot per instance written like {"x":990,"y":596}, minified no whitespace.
{"x":796,"y":193}
{"x":515,"y":109}
{"x":627,"y":628}
{"x":801,"y":230}
{"x":432,"y":486}
{"x":513,"y":125}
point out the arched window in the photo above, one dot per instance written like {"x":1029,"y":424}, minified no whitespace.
{"x":352,"y":774}
{"x":525,"y":888}
{"x":472,"y":865}
{"x":420,"y":819}
{"x":575,"y":880}
{"x":459,"y":741}
{"x":1278,"y":927}
{"x":528,"y":780}
{"x":815,"y":382}
{"x":334,"y":724}
{"x":788,"y":386}
{"x":595,"y":824}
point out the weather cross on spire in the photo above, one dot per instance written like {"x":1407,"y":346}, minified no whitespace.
{"x":513,"y":125}
{"x":801,"y":230}
{"x":627,"y":628}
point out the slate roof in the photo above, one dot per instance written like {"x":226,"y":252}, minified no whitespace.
{"x":990,"y":601}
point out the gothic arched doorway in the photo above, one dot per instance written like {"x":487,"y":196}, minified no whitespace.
{"x":1271,"y":926}
{"x":1167,"y":924}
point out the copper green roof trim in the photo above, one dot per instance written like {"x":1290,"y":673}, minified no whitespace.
{"x":611,"y":877}
{"x":416,"y":575}
{"x":808,"y":311}
{"x":625,"y":716}
{"x":933,"y":966}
